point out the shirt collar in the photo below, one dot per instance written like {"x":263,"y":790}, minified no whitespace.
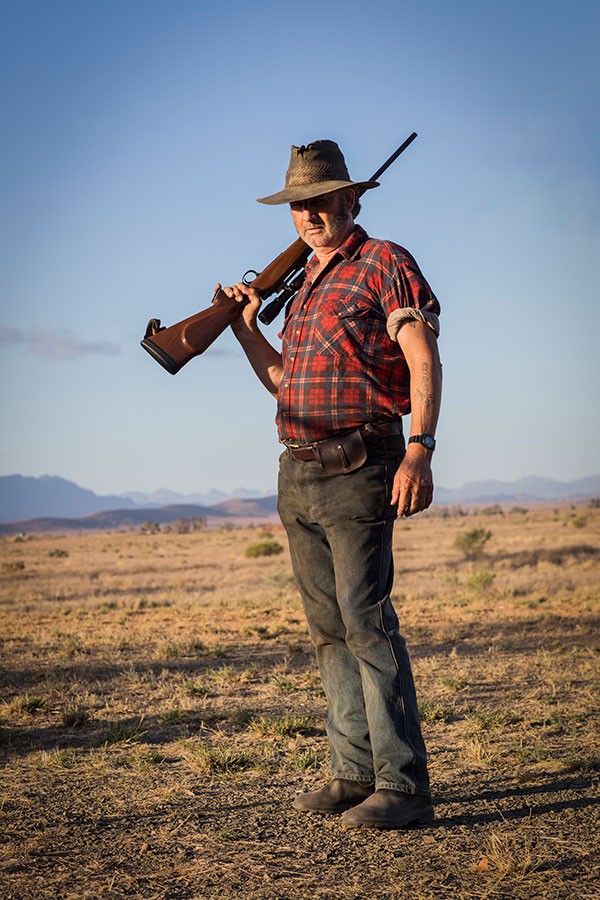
{"x":347,"y":250}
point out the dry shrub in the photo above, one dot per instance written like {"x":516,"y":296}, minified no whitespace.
{"x":510,"y":852}
{"x":75,"y":716}
{"x":209,"y":760}
{"x":26,"y":703}
{"x":15,"y":565}
{"x":287,"y":725}
{"x":123,"y":732}
{"x":477,"y":752}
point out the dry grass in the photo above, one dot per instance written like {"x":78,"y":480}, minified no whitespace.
{"x":160,"y":707}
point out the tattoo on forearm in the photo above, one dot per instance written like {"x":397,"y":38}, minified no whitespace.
{"x":425,"y":396}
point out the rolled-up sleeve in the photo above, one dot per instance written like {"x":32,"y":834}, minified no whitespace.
{"x":399,"y":317}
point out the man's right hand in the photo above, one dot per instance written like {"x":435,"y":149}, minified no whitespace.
{"x":248,"y":295}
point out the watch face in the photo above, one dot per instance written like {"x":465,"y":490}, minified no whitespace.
{"x":428,"y":441}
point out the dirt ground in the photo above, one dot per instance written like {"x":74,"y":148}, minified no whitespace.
{"x":161,"y":707}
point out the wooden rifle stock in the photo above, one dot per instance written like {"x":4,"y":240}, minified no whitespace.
{"x":173,"y":347}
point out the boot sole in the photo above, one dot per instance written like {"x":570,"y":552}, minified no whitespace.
{"x":324,"y":811}
{"x":423,"y":818}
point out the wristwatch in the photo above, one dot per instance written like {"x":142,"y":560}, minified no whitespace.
{"x":427,"y":440}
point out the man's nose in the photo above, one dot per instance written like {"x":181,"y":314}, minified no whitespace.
{"x":309,"y":211}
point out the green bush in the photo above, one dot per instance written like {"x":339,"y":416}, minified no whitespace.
{"x":472,"y":541}
{"x":263,"y":548}
{"x":579,"y":522}
{"x":481,"y":581}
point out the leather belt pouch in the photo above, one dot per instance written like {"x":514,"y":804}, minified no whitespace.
{"x":342,"y":454}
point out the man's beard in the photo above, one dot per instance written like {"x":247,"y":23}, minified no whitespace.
{"x":336,"y":229}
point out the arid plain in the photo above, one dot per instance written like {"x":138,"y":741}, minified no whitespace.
{"x":161,"y":707}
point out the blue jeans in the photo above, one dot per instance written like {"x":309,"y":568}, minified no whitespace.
{"x":340,"y":534}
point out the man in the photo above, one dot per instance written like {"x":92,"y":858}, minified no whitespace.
{"x":359,"y":351}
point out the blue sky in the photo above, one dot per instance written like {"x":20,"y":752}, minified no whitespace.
{"x":137,"y":136}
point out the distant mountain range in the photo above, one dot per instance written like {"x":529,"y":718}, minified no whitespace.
{"x":163,"y":497}
{"x":239,"y":512}
{"x":49,"y":503}
{"x":525,"y":490}
{"x":23,"y":497}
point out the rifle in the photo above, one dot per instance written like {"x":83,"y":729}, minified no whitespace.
{"x":173,"y":347}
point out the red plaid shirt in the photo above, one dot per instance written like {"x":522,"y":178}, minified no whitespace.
{"x":340,"y":367}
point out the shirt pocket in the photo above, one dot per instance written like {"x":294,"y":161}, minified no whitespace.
{"x":344,"y":330}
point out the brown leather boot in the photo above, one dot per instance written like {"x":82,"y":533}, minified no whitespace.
{"x":335,"y":797}
{"x":390,"y":809}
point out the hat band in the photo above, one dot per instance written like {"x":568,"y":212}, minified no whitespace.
{"x":302,"y":175}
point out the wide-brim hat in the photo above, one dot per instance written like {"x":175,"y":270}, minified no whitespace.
{"x":315,"y":169}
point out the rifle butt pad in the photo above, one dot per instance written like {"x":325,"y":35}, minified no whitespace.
{"x":160,"y":356}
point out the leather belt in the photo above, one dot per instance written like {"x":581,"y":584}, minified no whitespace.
{"x":307,"y":452}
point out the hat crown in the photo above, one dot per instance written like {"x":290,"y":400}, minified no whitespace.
{"x":315,"y":169}
{"x":319,"y":161}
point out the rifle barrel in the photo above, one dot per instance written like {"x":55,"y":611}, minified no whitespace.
{"x":393,"y":157}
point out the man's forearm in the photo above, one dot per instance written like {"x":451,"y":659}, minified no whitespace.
{"x":413,"y":485}
{"x":419,"y":345}
{"x":425,"y":395}
{"x":263,"y":358}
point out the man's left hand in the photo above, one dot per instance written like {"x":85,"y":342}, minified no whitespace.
{"x":413,"y":482}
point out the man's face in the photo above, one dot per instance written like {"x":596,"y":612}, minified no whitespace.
{"x":324,"y":222}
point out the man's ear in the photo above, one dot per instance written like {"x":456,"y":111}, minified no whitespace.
{"x":349,"y":198}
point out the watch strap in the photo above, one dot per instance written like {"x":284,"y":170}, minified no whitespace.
{"x":427,"y":440}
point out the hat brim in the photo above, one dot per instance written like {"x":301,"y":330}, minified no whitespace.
{"x":307,"y":191}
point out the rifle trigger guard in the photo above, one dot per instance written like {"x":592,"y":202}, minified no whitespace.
{"x":246,"y":280}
